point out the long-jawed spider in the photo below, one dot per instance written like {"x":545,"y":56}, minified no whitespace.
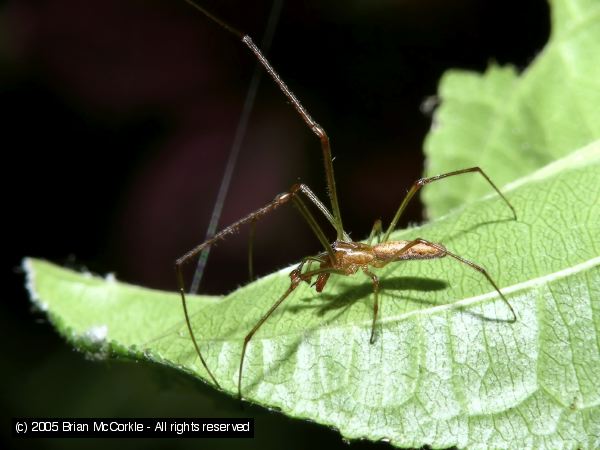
{"x":344,"y":256}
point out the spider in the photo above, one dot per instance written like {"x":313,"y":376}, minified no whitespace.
{"x":344,"y":256}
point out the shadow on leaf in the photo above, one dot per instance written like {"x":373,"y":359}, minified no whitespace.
{"x":350,"y":293}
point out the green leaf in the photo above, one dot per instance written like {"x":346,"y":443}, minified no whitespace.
{"x":447,"y":368}
{"x":512,"y":124}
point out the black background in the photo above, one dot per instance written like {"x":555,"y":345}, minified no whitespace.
{"x":117,"y":117}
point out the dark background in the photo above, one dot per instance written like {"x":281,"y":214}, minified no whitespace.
{"x":116,"y":121}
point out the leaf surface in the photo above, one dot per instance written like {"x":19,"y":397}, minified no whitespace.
{"x":447,"y":369}
{"x":511,"y":124}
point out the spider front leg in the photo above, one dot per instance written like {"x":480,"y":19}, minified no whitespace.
{"x":293,"y":195}
{"x":250,"y":218}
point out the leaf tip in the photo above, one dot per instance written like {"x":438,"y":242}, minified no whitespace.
{"x":28,"y":269}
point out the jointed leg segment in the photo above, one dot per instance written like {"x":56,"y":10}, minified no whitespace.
{"x":423,"y":181}
{"x":334,"y":217}
{"x":251,"y":219}
{"x":375,"y":281}
{"x":302,"y":111}
{"x":463,"y":261}
{"x":376,"y":231}
{"x":293,"y":285}
{"x":296,"y":276}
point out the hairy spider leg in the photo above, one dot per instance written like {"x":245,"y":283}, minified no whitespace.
{"x":296,"y":277}
{"x":335,"y":218}
{"x":236,"y":145}
{"x":376,"y":232}
{"x":281,"y":199}
{"x":315,"y":201}
{"x":375,"y":281}
{"x":423,"y":181}
{"x":474,"y":266}
{"x":317,"y":129}
{"x":251,"y":235}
